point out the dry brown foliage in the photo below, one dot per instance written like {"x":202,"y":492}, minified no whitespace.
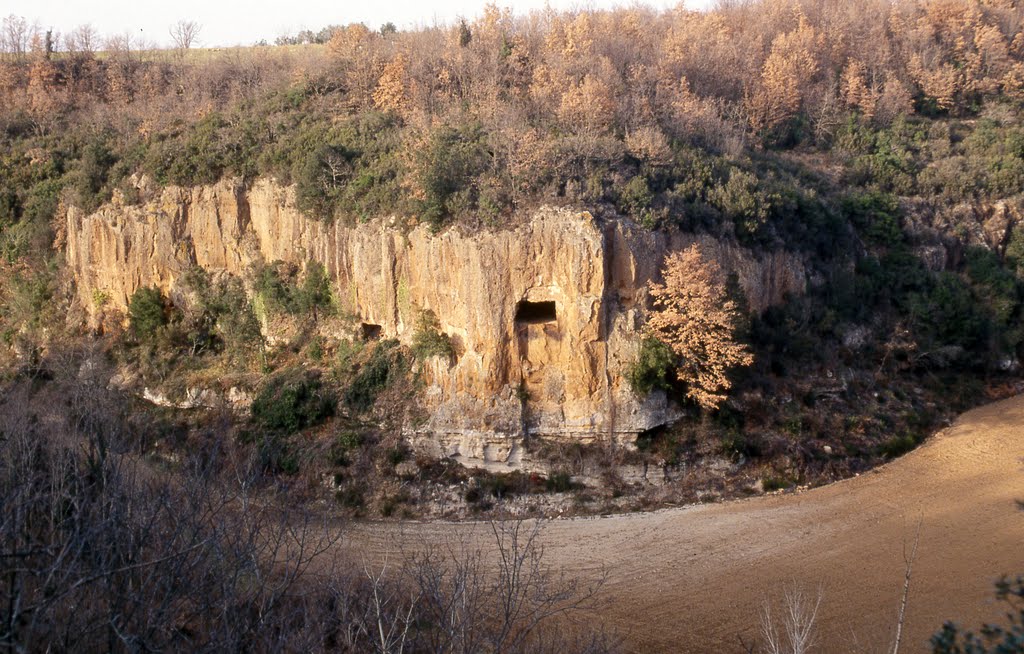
{"x":706,"y":76}
{"x":693,"y":315}
{"x":391,"y":92}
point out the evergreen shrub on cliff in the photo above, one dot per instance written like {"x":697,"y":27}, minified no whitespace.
{"x":292,"y":400}
{"x":652,"y":368}
{"x":146,"y":312}
{"x":428,"y":339}
{"x":384,"y":367}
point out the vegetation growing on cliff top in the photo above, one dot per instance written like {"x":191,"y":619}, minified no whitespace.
{"x":653,"y":113}
{"x":762,"y":122}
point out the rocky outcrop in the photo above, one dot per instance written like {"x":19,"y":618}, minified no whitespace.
{"x":545,"y":317}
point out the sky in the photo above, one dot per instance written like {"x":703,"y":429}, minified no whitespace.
{"x":236,"y":22}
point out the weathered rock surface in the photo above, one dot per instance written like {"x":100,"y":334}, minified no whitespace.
{"x":545,"y":317}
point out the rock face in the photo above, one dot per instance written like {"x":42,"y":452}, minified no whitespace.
{"x":545,"y":317}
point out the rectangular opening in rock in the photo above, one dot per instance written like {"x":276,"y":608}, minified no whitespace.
{"x":535,"y":312}
{"x":371,"y":332}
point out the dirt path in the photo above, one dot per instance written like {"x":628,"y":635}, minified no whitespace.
{"x":693,"y":579}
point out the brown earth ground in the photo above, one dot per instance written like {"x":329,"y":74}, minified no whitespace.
{"x":694,"y":579}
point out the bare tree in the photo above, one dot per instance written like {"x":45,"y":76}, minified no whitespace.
{"x":391,"y":612}
{"x":793,"y":632}
{"x":82,"y":39}
{"x":100,"y":550}
{"x":908,"y":561}
{"x":16,"y":34}
{"x":185,"y":33}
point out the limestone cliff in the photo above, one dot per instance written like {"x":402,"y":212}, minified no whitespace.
{"x":545,"y":317}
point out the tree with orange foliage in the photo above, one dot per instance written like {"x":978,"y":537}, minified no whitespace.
{"x":42,"y":88}
{"x":391,"y":93}
{"x":787,"y":74}
{"x":694,"y":317}
{"x":856,"y":90}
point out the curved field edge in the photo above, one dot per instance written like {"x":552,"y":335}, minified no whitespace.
{"x":694,"y":578}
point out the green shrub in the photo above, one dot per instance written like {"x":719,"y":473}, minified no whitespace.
{"x":274,"y":285}
{"x":26,"y":238}
{"x":238,"y":327}
{"x":27,"y":305}
{"x":199,"y":156}
{"x":884,"y":158}
{"x":146,"y":312}
{"x":995,"y":285}
{"x":876,"y":215}
{"x":223,"y":317}
{"x":391,"y":503}
{"x":351,"y":496}
{"x":560,"y":482}
{"x":89,"y":181}
{"x":447,"y":168}
{"x":291,"y":401}
{"x":500,"y":485}
{"x":946,"y":314}
{"x":277,"y":286}
{"x":428,"y":339}
{"x":778,"y":482}
{"x":993,"y":638}
{"x":384,"y":366}
{"x":636,"y":197}
{"x":347,"y":356}
{"x":350,"y":168}
{"x":737,"y":444}
{"x":315,"y":349}
{"x":653,"y":368}
{"x":343,"y":446}
{"x":314,"y":297}
{"x":42,"y":200}
{"x":276,"y":455}
{"x":743,"y":200}
{"x":897,"y":446}
{"x":397,"y":454}
{"x":322,"y":179}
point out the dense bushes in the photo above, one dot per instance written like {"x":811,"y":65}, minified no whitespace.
{"x":947,"y":162}
{"x":89,"y":181}
{"x":876,"y":215}
{"x":278,"y":288}
{"x":384,"y":366}
{"x":351,"y":169}
{"x":559,"y":108}
{"x":447,"y":170}
{"x":146,"y":312}
{"x":653,"y":368}
{"x":291,"y":401}
{"x":221,"y":318}
{"x":29,"y":195}
{"x":190,"y":158}
{"x":428,"y":340}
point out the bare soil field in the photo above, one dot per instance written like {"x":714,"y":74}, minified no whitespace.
{"x":694,"y":579}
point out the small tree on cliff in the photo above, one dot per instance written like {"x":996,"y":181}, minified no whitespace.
{"x":694,"y":317}
{"x":146,"y":312}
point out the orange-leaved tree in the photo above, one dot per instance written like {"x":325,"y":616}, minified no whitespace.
{"x":694,"y":317}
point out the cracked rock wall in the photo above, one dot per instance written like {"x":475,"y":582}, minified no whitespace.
{"x":559,"y":376}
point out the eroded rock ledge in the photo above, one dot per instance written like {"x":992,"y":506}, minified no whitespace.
{"x":545,"y":316}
